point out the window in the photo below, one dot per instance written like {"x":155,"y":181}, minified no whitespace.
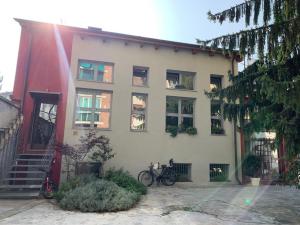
{"x":183,"y":171}
{"x":180,"y":80}
{"x":218,"y":172}
{"x":93,"y":109}
{"x":216,"y":117}
{"x":180,"y":112}
{"x":95,"y":71}
{"x":140,"y":76}
{"x":215,"y":82}
{"x":138,"y":112}
{"x":216,"y":106}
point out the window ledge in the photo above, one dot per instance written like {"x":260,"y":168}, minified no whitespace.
{"x":92,"y":128}
{"x":175,"y":89}
{"x":218,"y":135}
{"x":138,"y":131}
{"x":140,"y":86}
{"x":94,"y":81}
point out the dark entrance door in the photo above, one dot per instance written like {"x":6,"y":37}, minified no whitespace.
{"x":43,"y":124}
{"x":43,"y":119}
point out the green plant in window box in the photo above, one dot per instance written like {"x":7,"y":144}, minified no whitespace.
{"x":182,"y":128}
{"x":217,"y":130}
{"x":191,"y":130}
{"x":173,"y":130}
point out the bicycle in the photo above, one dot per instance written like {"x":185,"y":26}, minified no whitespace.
{"x":49,"y":187}
{"x":166,"y":176}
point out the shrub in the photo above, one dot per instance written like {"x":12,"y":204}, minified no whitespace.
{"x":125,"y":180}
{"x":71,"y":184}
{"x":99,"y":196}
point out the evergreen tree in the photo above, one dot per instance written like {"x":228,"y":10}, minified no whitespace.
{"x":268,"y":91}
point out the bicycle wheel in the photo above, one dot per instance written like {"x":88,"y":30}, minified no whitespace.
{"x":168,"y":177}
{"x":49,"y":191}
{"x":145,"y":178}
{"x":140,"y":173}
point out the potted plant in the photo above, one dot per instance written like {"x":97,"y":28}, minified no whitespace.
{"x":252,"y":167}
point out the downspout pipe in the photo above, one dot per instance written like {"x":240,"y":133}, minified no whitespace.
{"x":236,"y":173}
{"x":27,"y":67}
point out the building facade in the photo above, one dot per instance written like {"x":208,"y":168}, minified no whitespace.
{"x":134,"y":90}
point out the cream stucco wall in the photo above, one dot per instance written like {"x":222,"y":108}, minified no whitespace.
{"x":135,"y":150}
{"x":7,"y":113}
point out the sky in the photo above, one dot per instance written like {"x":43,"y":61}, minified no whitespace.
{"x":174,"y":20}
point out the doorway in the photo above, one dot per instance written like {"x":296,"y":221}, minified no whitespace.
{"x":44,"y":119}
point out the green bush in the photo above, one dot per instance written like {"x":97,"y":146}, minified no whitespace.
{"x":99,"y":196}
{"x":73,"y":183}
{"x":125,"y":180}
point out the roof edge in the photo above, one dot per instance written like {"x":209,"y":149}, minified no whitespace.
{"x":194,"y":48}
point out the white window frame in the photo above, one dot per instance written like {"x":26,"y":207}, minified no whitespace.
{"x":181,"y":74}
{"x":147,"y":76}
{"x":97,"y":63}
{"x":217,"y":102}
{"x":180,"y":115}
{"x":144,"y":112}
{"x":93,"y":109}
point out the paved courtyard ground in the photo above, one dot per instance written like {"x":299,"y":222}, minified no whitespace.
{"x":173,"y":205}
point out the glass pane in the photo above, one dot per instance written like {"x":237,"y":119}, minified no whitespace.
{"x":172,"y":80}
{"x":100,"y":76}
{"x":83,"y":118}
{"x":215,"y":83}
{"x":48,"y":112}
{"x":104,"y":73}
{"x":84,"y":100}
{"x":216,"y":110}
{"x":216,"y":126}
{"x":138,"y":122}
{"x":172,"y":105}
{"x":101,"y":119}
{"x":187,"y":106}
{"x":86,"y":71}
{"x":171,"y":121}
{"x":138,"y":102}
{"x":139,"y":76}
{"x":187,"y":122}
{"x":187,"y":81}
{"x":103,"y":101}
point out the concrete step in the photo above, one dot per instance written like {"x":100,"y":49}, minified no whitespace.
{"x":19,"y":195}
{"x":32,"y":156}
{"x":26,"y":172}
{"x":33,"y":166}
{"x":30,"y":160}
{"x":23,"y":186}
{"x":24,"y":179}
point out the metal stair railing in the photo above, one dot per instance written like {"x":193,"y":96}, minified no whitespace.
{"x":9,"y":145}
{"x":49,"y":154}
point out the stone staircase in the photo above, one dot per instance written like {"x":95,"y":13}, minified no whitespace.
{"x":25,"y":177}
